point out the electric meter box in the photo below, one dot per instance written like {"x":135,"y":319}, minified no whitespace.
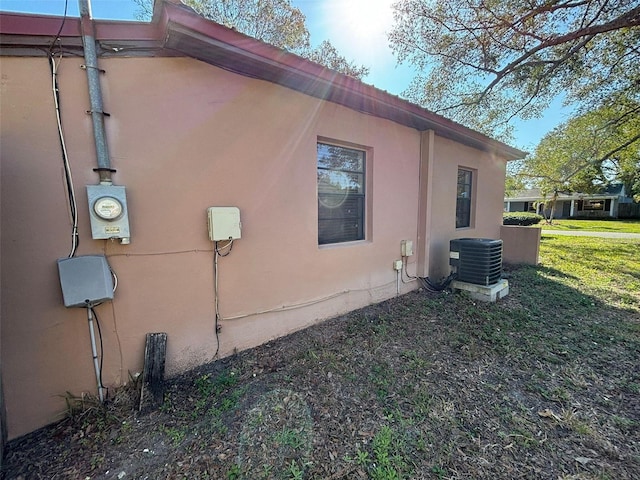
{"x":108,"y":212}
{"x":224,"y":223}
{"x":85,"y":281}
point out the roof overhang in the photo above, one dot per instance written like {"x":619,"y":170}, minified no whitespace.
{"x":176,"y":30}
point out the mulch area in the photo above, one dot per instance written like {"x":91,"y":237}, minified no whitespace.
{"x":424,"y":386}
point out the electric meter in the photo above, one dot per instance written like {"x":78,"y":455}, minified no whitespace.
{"x":108,"y":208}
{"x":108,"y":212}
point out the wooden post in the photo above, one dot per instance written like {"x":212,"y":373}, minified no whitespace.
{"x":152,"y":392}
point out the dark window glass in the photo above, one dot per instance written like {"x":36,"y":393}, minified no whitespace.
{"x":463,"y":201}
{"x":594,"y":205}
{"x":340,"y":194}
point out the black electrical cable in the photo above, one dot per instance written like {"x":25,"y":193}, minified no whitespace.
{"x":64,"y":19}
{"x":229,"y":245}
{"x":95,"y":315}
{"x":75,"y":240}
{"x":426,"y":282}
{"x":437,"y":287}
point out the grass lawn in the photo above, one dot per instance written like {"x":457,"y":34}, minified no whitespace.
{"x":625,"y":226}
{"x":600,"y":267}
{"x":544,"y":385}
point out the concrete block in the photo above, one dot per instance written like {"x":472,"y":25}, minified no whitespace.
{"x":490,"y":293}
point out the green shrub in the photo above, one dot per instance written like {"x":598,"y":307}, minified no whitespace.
{"x":521,"y":218}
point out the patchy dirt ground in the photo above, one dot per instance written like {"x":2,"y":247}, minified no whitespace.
{"x":425,"y":386}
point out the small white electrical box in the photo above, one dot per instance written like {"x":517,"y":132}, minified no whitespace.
{"x":224,"y":223}
{"x":406,"y":248}
{"x":397,"y":265}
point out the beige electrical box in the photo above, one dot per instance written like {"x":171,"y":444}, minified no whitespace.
{"x":406,"y":248}
{"x":224,"y":223}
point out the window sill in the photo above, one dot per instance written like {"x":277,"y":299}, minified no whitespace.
{"x":355,"y":243}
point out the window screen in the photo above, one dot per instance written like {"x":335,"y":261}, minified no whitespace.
{"x":341,"y":195}
{"x":463,"y":201}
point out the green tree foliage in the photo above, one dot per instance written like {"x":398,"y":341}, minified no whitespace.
{"x":276,"y":22}
{"x":484,"y":62}
{"x":327,"y":55}
{"x":513,"y":183}
{"x":586,"y":153}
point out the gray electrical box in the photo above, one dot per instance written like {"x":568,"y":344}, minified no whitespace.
{"x":85,"y":281}
{"x":108,"y":212}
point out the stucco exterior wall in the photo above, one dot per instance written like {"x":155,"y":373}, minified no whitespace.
{"x":184,"y":136}
{"x":3,"y":422}
{"x":486,"y":199}
{"x":521,"y":245}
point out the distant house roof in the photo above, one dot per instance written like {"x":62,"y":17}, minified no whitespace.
{"x":613,"y":190}
{"x":176,"y":30}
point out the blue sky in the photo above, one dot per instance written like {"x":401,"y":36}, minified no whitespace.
{"x":357,"y":28}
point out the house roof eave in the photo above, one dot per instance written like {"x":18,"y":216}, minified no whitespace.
{"x":210,"y":42}
{"x":176,"y":30}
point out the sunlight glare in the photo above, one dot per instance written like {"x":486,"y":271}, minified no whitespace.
{"x":358,"y":28}
{"x":365,"y":19}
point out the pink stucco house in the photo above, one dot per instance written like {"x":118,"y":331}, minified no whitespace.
{"x":330,"y":176}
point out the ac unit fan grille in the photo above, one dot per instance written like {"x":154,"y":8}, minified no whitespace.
{"x":479,"y":260}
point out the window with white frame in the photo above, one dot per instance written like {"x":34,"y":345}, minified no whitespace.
{"x":341,"y":193}
{"x":463,"y":200}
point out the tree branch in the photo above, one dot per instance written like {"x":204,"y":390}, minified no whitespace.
{"x":620,"y":147}
{"x":629,"y":19}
